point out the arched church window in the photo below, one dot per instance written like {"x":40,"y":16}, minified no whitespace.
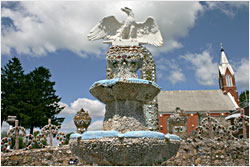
{"x":229,"y":80}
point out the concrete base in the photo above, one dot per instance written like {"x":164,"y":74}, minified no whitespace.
{"x":124,"y":116}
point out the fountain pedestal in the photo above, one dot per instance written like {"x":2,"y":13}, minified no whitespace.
{"x":125,"y":94}
{"x":124,"y":99}
{"x":124,"y":116}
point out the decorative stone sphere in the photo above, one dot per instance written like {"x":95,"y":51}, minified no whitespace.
{"x":82,"y":120}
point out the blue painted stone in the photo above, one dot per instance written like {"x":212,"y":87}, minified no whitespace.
{"x":143,"y":134}
{"x":75,"y":135}
{"x":173,"y":137}
{"x":136,"y":80}
{"x":110,"y":82}
{"x":99,"y":134}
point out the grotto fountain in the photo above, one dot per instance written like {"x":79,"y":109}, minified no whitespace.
{"x":129,"y":135}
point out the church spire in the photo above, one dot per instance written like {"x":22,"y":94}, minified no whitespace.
{"x":224,"y":64}
{"x":223,"y":59}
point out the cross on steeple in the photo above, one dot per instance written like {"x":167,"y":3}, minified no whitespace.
{"x":221,"y":47}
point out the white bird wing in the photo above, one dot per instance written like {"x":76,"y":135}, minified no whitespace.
{"x":106,"y":28}
{"x":148,"y":32}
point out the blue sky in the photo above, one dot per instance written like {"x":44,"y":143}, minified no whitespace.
{"x":54,"y":35}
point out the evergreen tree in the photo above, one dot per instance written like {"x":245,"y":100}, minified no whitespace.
{"x":244,"y":97}
{"x":43,"y":102}
{"x":12,"y":90}
{"x":30,"y":97}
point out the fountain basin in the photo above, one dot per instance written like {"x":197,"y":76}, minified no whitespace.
{"x":131,"y":148}
{"x":124,"y":99}
{"x":124,"y":89}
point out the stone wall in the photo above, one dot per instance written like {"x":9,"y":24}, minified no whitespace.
{"x":48,"y":156}
{"x":199,"y":153}
{"x":211,"y":153}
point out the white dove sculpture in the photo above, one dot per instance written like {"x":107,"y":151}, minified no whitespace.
{"x":110,"y":28}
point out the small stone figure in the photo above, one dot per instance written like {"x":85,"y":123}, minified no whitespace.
{"x":177,"y":122}
{"x":82,"y":121}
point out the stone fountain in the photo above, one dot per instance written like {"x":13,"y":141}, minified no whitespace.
{"x":126,"y":138}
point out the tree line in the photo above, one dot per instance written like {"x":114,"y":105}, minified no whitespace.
{"x":31,"y":97}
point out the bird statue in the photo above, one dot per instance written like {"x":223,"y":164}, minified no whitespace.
{"x":110,"y":28}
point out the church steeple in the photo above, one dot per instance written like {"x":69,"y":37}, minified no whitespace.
{"x":224,"y":64}
{"x":226,"y":77}
{"x":223,"y":56}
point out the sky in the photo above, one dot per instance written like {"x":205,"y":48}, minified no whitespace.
{"x":54,"y":35}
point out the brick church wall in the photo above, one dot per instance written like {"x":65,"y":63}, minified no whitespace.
{"x":192,"y":121}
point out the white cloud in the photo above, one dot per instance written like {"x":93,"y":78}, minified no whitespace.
{"x":242,"y":74}
{"x":69,"y":126}
{"x":206,"y":71}
{"x":227,"y":7}
{"x":44,"y":27}
{"x":97,"y":125}
{"x":5,"y":127}
{"x":170,"y":66}
{"x":176,"y":76}
{"x":95,"y":108}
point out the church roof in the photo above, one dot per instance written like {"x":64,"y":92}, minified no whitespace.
{"x":195,"y":101}
{"x":224,"y":64}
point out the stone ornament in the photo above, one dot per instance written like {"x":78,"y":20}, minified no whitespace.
{"x":5,"y":142}
{"x":61,"y":137}
{"x":128,"y":31}
{"x":31,"y":140}
{"x":124,"y":61}
{"x":220,"y":131}
{"x":82,"y":120}
{"x":12,"y":132}
{"x":177,"y":122}
{"x":45,"y":129}
{"x":238,"y":121}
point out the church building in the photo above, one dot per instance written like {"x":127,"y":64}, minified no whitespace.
{"x":196,"y":103}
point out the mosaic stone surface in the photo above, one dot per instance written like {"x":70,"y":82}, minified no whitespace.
{"x":124,"y":99}
{"x":117,"y":55}
{"x":124,"y":151}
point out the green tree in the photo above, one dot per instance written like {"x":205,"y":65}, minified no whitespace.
{"x":30,"y":97}
{"x":42,"y":101}
{"x":244,"y":97}
{"x":12,"y":90}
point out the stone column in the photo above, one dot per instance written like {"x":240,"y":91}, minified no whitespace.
{"x":211,"y":135}
{"x":50,"y":132}
{"x":242,"y":114}
{"x":124,"y":115}
{"x":17,"y":135}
